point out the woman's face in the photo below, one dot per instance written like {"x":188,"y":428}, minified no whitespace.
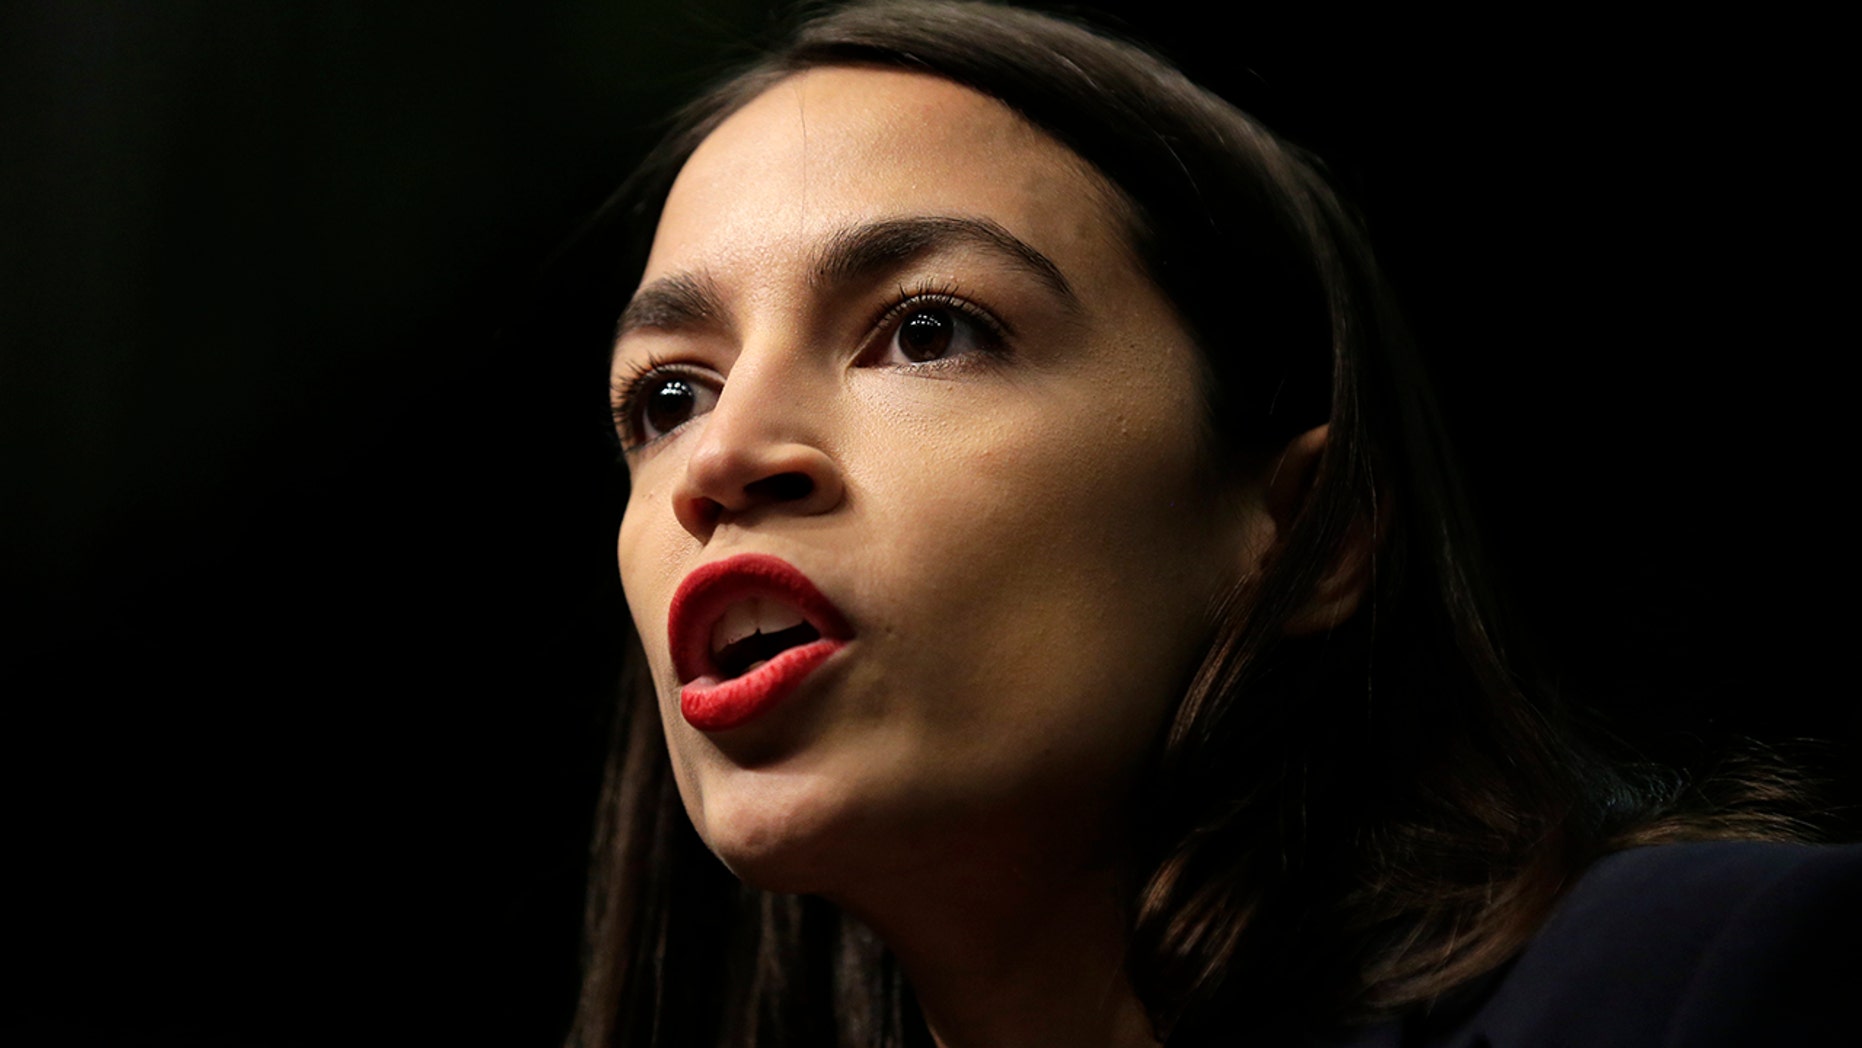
{"x":893,"y":336}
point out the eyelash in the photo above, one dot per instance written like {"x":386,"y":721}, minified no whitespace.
{"x":629,"y":389}
{"x":993,"y":334}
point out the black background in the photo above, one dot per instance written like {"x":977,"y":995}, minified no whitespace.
{"x":312,"y":614}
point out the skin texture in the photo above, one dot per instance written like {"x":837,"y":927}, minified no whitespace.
{"x":1026,"y":539}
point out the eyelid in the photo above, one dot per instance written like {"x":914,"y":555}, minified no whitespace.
{"x":626,"y":391}
{"x":993,"y":331}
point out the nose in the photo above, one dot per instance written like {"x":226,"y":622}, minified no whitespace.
{"x":760,"y":452}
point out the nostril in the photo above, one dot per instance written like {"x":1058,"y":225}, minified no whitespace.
{"x":783,"y":487}
{"x":705,"y":512}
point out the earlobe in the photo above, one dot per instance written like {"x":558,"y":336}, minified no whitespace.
{"x":1340,"y":589}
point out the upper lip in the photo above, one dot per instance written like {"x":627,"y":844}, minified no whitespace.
{"x":702,"y":599}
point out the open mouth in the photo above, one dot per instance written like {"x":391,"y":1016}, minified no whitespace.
{"x":744,"y":633}
{"x":754,"y":631}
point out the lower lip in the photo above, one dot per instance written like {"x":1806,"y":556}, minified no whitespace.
{"x":710,"y":704}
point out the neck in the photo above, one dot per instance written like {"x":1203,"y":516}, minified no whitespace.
{"x":1012,"y":956}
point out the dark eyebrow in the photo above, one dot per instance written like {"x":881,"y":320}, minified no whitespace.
{"x":687,"y":300}
{"x":881,"y":245}
{"x":681,"y":301}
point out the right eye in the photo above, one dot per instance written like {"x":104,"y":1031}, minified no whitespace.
{"x":658,"y":401}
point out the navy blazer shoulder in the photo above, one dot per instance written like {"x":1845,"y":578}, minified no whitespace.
{"x":1706,"y":945}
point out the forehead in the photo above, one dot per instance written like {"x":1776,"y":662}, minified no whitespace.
{"x":829,"y":148}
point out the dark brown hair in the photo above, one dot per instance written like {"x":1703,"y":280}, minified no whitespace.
{"x":1353,"y":823}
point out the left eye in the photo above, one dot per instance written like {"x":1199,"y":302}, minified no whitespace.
{"x":928,"y":333}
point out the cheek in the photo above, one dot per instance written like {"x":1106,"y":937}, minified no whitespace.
{"x":1049,"y":564}
{"x":649,"y":550}
{"x":1053,"y":488}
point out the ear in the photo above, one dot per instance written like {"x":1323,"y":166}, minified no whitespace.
{"x":1339,"y":591}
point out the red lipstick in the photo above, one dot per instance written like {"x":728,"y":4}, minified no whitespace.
{"x":711,"y":698}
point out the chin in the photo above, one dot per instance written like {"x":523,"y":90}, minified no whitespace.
{"x":784,"y":831}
